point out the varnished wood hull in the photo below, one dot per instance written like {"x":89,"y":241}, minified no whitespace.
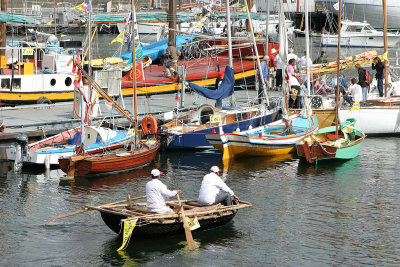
{"x":103,"y":163}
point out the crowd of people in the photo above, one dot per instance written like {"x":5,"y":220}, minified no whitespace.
{"x":272,"y":70}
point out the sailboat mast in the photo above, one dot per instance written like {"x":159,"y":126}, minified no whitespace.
{"x":134,"y":72}
{"x":3,"y":30}
{"x":172,"y":22}
{"x":338,"y":70}
{"x":229,"y":33}
{"x":257,"y":55}
{"x":307,"y":32}
{"x":267,"y":29}
{"x":55,"y":21}
{"x":385,"y":45}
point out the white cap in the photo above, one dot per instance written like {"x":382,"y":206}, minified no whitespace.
{"x":215,"y":169}
{"x":156,"y":172}
{"x":291,"y":50}
{"x":273,"y":51}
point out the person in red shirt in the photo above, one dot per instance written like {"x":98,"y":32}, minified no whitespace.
{"x":271,"y":66}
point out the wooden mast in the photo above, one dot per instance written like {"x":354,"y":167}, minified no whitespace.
{"x":3,"y":29}
{"x":338,"y":70}
{"x":172,"y":22}
{"x":55,"y":22}
{"x":385,"y":45}
{"x":134,"y":73}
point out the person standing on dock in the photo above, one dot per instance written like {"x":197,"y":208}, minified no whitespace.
{"x":264,"y":69}
{"x":213,"y":190}
{"x":171,"y":60}
{"x":279,"y":70}
{"x":362,"y":81}
{"x":302,"y":65}
{"x":379,"y":67}
{"x":157,"y":193}
{"x":292,"y":55}
{"x":271,"y":65}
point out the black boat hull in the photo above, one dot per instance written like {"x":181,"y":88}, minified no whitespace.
{"x":144,"y":229}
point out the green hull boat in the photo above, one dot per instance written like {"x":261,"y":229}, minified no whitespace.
{"x":323,"y":144}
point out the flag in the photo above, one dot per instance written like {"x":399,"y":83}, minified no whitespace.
{"x":119,"y":38}
{"x":356,"y":106}
{"x":193,"y":224}
{"x":217,"y":3}
{"x":128,"y":228}
{"x":385,"y":56}
{"x":79,"y":7}
{"x":139,"y":74}
{"x":48,"y":23}
{"x":336,"y":6}
{"x":138,"y":54}
{"x":178,"y":96}
{"x":51,"y":16}
{"x":253,"y":9}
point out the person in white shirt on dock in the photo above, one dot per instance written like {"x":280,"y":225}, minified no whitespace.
{"x":213,"y":190}
{"x":354,"y":93}
{"x":157,"y":193}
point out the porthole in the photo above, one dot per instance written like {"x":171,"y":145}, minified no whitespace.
{"x":68,"y":81}
{"x":53,"y":82}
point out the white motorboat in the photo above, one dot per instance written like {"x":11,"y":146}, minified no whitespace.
{"x":359,"y":34}
{"x":97,"y":139}
{"x":367,"y":9}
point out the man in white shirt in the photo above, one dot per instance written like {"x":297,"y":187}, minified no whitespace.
{"x":213,"y":190}
{"x":157,"y":193}
{"x":278,"y":66}
{"x":292,"y":55}
{"x":354,"y":92}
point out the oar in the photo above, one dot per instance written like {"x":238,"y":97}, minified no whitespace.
{"x":188,"y":233}
{"x":89,"y":208}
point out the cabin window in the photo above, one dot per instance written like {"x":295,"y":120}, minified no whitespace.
{"x":16,"y":83}
{"x":353,"y":28}
{"x":5,"y":84}
{"x":68,"y":81}
{"x":245,"y":116}
{"x":53,"y":82}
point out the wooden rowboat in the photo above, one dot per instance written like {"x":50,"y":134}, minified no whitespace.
{"x":110,"y":162}
{"x":164,"y":224}
{"x":323,"y":144}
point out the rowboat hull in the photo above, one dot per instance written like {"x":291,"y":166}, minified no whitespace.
{"x":113,"y":221}
{"x":323,"y":145}
{"x":99,"y":163}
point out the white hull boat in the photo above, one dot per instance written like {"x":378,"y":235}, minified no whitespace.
{"x":370,"y":10}
{"x":359,"y":34}
{"x":49,"y":150}
{"x":376,"y":120}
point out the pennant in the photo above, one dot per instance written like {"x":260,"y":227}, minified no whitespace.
{"x":128,"y":228}
{"x":193,"y":224}
{"x":48,"y":23}
{"x":79,"y":7}
{"x":385,"y":56}
{"x":139,"y":74}
{"x":356,"y":106}
{"x":178,"y":96}
{"x":119,"y":38}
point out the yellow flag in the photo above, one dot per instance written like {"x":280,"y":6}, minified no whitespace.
{"x":119,"y":38}
{"x":385,"y":56}
{"x":193,"y":224}
{"x":79,"y":7}
{"x":355,"y":106}
{"x":128,"y":228}
{"x":48,"y":23}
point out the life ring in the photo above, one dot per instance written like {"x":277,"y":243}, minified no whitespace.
{"x":153,"y":125}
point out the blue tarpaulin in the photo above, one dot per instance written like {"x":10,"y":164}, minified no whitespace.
{"x":225,"y":89}
{"x":157,"y":49}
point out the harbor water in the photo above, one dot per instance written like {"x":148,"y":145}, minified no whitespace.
{"x":344,"y":213}
{"x":333,"y":214}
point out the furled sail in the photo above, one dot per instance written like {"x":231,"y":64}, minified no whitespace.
{"x":224,"y":90}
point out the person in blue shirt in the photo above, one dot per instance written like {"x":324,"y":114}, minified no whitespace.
{"x":264,"y":69}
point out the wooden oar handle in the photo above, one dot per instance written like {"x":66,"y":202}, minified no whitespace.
{"x":69,"y":214}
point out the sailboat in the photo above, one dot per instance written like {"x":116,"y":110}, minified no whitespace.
{"x":135,"y":154}
{"x":273,"y":139}
{"x":189,"y":131}
{"x":336,"y":142}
